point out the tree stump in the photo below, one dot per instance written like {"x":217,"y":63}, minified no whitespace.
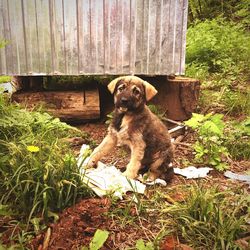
{"x":177,"y":96}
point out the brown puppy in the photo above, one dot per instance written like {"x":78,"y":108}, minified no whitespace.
{"x":136,"y":126}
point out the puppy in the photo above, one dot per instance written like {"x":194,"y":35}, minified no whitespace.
{"x":137,"y":127}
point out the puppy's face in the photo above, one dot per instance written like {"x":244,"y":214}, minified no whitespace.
{"x":131,"y":93}
{"x":129,"y":96}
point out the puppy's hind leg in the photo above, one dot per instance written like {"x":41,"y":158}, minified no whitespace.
{"x":161,"y":169}
{"x":108,"y":143}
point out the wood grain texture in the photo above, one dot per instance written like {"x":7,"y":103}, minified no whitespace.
{"x":75,"y":37}
{"x":67,"y":105}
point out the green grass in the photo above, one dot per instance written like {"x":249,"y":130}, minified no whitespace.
{"x":218,"y":54}
{"x":4,"y":79}
{"x":209,"y":218}
{"x":238,"y":139}
{"x":38,"y":170}
{"x":198,"y":215}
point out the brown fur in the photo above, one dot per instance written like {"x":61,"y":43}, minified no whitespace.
{"x":137,"y":127}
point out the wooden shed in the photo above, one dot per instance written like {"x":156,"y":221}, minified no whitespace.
{"x":94,"y":37}
{"x":100,"y":37}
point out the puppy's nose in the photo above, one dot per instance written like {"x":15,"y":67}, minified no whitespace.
{"x":124,"y":100}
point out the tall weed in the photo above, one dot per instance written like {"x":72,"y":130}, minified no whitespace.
{"x":217,"y":46}
{"x":209,"y":147}
{"x":210,"y":219}
{"x":38,"y":171}
{"x":238,"y":139}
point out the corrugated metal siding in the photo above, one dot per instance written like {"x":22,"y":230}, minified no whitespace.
{"x":74,"y":37}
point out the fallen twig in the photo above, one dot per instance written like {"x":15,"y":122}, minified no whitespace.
{"x":172,"y":121}
{"x":46,"y":239}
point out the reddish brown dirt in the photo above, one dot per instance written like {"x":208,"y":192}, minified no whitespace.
{"x":78,"y":224}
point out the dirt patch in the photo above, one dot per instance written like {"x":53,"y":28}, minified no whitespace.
{"x":76,"y":225}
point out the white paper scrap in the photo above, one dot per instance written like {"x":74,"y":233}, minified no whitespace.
{"x":105,"y":179}
{"x":192,"y":172}
{"x":108,"y":179}
{"x":239,"y":177}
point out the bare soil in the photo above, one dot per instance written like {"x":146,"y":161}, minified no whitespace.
{"x":77,"y":224}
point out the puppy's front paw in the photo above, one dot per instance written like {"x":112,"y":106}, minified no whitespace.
{"x":89,"y":163}
{"x":151,"y":176}
{"x":130,"y":174}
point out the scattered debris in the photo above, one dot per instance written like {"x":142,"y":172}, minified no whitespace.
{"x":176,"y":131}
{"x":46,"y":239}
{"x":238,"y":177}
{"x":7,"y":87}
{"x":192,"y":172}
{"x":108,"y":179}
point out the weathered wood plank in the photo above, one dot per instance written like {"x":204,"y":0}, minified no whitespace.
{"x":93,"y":36}
{"x":67,"y":105}
{"x":139,"y":35}
{"x":2,"y":50}
{"x":43,"y":29}
{"x":132,"y":55}
{"x":178,"y":36}
{"x":120,"y":44}
{"x":158,"y":36}
{"x":99,"y":35}
{"x":80,"y":36}
{"x":113,"y":15}
{"x":151,"y":37}
{"x":183,"y":36}
{"x":145,"y":21}
{"x":71,"y":48}
{"x":6,"y":31}
{"x":166,"y":38}
{"x":30,"y":36}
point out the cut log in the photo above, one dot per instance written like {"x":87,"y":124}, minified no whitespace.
{"x":72,"y":106}
{"x":177,"y":96}
{"x":182,"y":97}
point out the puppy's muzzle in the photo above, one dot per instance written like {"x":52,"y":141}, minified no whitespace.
{"x":124,"y":101}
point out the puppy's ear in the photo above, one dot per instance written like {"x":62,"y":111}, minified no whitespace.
{"x":150,"y":90}
{"x":112,"y":84}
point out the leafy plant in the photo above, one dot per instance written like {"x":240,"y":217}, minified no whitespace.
{"x":218,"y":46}
{"x":14,"y":247}
{"x":209,"y":148}
{"x":236,"y":102}
{"x":38,"y":171}
{"x":238,"y":11}
{"x":3,"y":43}
{"x":98,"y":240}
{"x":5,"y":79}
{"x":238,"y":139}
{"x":140,"y":245}
{"x":210,"y":219}
{"x":218,"y":54}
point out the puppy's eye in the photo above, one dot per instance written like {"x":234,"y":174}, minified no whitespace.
{"x":121,"y":88}
{"x":136,"y":91}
